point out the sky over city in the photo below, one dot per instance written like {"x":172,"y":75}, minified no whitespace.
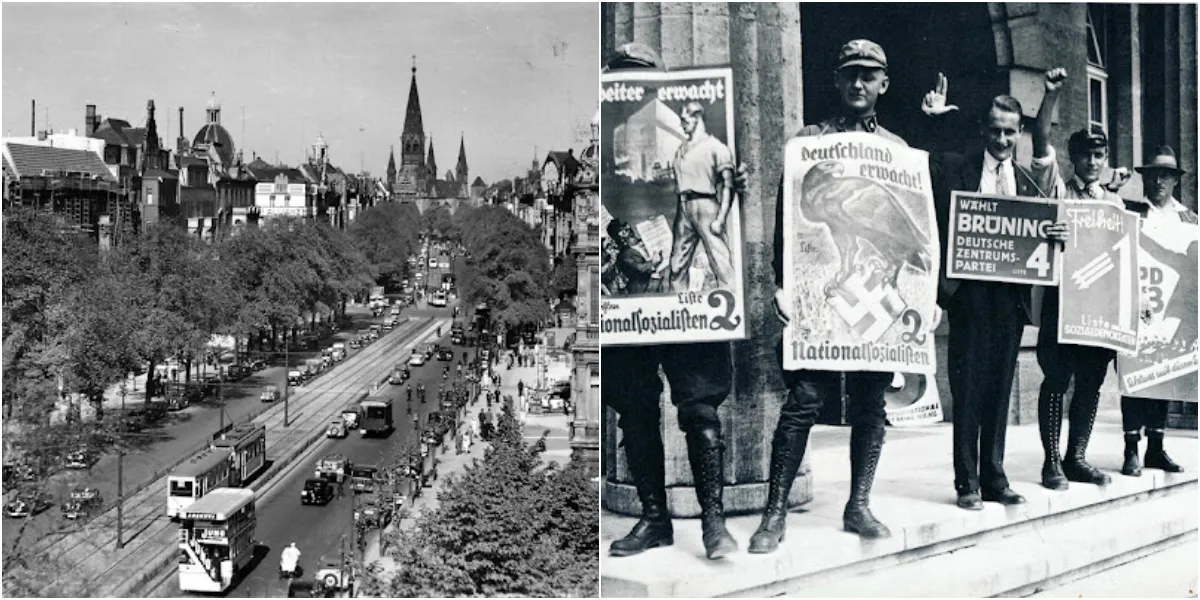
{"x":511,"y":78}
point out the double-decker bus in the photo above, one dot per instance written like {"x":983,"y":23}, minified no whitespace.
{"x":376,"y":417}
{"x":248,"y":444}
{"x":190,"y":481}
{"x":216,"y":540}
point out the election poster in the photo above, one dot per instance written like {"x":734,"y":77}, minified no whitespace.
{"x":860,"y":257}
{"x":999,"y":238}
{"x":1165,"y":364}
{"x":671,"y":248}
{"x":1098,"y":297}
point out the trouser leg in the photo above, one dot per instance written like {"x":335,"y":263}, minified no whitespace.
{"x":1090,"y":366}
{"x":807,"y":391}
{"x":1054,"y":359}
{"x":967,"y":360}
{"x":683,"y":248}
{"x":867,"y":415}
{"x":633,"y":388}
{"x":993,"y":423}
{"x":720,"y":260}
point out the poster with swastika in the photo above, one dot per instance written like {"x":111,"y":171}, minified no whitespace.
{"x":1165,"y":364}
{"x":1098,"y":297}
{"x":860,"y":256}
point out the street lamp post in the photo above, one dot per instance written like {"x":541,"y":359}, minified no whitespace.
{"x":120,"y":477}
{"x":286,"y":393}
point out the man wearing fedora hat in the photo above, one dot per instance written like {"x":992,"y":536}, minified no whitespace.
{"x":1160,"y":175}
{"x":1060,"y":363}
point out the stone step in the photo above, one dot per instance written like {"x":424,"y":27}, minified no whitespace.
{"x":933,"y":541}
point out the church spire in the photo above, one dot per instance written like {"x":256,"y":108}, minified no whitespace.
{"x":430,"y":163}
{"x":412,"y":114}
{"x":391,"y":168}
{"x":460,"y":170}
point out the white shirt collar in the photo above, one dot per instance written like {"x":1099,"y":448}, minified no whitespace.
{"x":990,"y":164}
{"x":1173,"y":206}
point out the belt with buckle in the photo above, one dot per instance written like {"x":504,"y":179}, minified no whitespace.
{"x":694,"y":196}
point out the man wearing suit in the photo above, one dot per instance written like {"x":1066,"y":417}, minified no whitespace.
{"x":701,"y":376}
{"x":1160,"y":175}
{"x":987,"y":318}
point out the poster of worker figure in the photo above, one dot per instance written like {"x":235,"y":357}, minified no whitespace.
{"x":1098,"y":297}
{"x":861,"y":256}
{"x":1165,"y":364}
{"x":671,"y":247}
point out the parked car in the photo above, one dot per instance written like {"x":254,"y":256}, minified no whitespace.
{"x":26,"y":505}
{"x":316,"y":491}
{"x":333,"y":577}
{"x":355,"y":343}
{"x":362,"y":478}
{"x":82,"y":502}
{"x":339,"y":351}
{"x":300,"y":588}
{"x":444,"y":354}
{"x":417,"y":359}
{"x":80,"y":459}
{"x":296,"y":378}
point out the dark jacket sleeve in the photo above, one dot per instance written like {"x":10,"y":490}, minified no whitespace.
{"x":634,"y":263}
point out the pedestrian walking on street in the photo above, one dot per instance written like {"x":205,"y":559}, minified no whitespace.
{"x":521,"y":388}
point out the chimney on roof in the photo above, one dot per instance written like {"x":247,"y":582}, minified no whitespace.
{"x":33,"y":117}
{"x":89,"y":120}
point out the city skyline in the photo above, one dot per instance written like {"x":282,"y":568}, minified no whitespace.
{"x":511,"y":79}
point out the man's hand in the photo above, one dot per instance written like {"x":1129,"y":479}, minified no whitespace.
{"x":782,"y":306}
{"x":740,"y":177}
{"x":935,"y":101}
{"x":1120,"y":177}
{"x":1055,"y":79}
{"x":1058,"y":232}
{"x":717,"y":227}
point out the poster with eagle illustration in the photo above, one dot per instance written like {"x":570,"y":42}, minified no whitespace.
{"x":860,"y":255}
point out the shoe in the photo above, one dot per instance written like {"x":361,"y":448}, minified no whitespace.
{"x":706,"y":454}
{"x":644,"y":453}
{"x":865,"y":448}
{"x":1131,"y":467}
{"x":1156,"y":457}
{"x":1005,"y":496}
{"x":1074,"y":466}
{"x":1050,"y":426}
{"x":970,"y":501}
{"x":787,"y":452}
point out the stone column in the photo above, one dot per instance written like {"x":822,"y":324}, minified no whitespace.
{"x":762,"y":44}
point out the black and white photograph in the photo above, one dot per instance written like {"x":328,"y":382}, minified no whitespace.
{"x":300,"y":300}
{"x":886,"y":428}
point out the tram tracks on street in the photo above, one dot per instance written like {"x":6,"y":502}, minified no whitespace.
{"x":145,"y":511}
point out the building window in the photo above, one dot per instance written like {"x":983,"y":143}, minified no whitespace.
{"x":1097,"y":67}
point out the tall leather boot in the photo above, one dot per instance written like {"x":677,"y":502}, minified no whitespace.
{"x":1131,"y":467}
{"x":865,"y":448}
{"x":644,"y":450}
{"x":706,"y":451}
{"x":787,"y":451}
{"x":1156,"y":457}
{"x":1075,"y":467}
{"x":1050,"y":405}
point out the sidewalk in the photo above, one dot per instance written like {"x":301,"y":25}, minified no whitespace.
{"x":558,"y":450}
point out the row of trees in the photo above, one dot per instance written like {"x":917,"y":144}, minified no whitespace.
{"x":77,"y":320}
{"x":510,"y":525}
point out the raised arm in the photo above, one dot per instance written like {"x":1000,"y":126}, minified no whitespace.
{"x":1045,"y":116}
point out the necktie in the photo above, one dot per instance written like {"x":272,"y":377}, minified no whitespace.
{"x":1001,"y":181}
{"x":870,"y":124}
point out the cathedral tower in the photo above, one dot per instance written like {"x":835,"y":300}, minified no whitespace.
{"x":460,"y":170}
{"x":412,"y":177}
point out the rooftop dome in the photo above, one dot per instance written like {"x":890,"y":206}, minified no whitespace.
{"x":215,"y":133}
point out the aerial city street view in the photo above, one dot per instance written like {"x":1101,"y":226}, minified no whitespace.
{"x":284,"y":355}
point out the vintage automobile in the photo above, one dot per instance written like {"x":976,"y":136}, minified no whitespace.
{"x":444,"y":353}
{"x":356,"y":343}
{"x":387,"y":325}
{"x":299,"y":588}
{"x":333,"y":467}
{"x":400,"y":374}
{"x":417,"y":359}
{"x":26,"y":505}
{"x":373,"y":510}
{"x":269,"y":393}
{"x":80,"y":459}
{"x":82,"y":502}
{"x":295,"y":378}
{"x":339,"y":351}
{"x":374,"y":329}
{"x":336,"y":429}
{"x":350,"y":415}
{"x":362,"y":478}
{"x":333,"y":577}
{"x":316,"y":491}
